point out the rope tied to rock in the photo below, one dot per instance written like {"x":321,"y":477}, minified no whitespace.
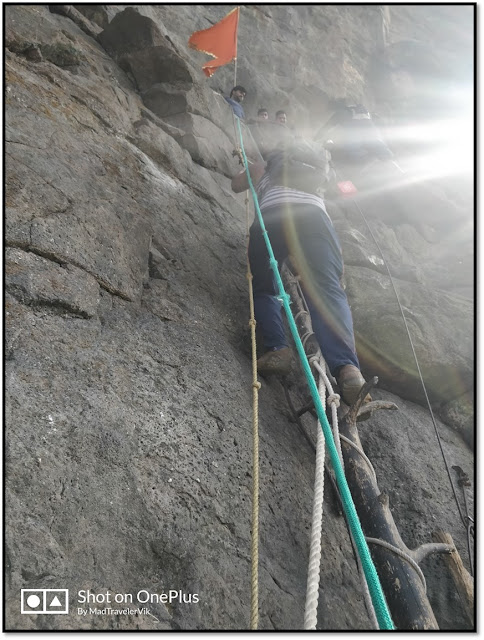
{"x":378,"y":598}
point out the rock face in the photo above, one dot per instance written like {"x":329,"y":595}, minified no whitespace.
{"x":128,"y":372}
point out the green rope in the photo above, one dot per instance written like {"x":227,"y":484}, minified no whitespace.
{"x":378,"y":598}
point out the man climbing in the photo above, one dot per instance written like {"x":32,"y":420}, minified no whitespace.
{"x":237,"y":95}
{"x":298,"y":225}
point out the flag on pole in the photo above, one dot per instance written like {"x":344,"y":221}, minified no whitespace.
{"x":219,"y":41}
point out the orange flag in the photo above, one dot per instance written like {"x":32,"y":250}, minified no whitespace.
{"x":219,"y":41}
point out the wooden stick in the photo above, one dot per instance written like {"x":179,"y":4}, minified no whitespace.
{"x":462,"y":579}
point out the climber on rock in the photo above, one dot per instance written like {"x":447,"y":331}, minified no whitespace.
{"x":298,"y":225}
{"x":237,"y":95}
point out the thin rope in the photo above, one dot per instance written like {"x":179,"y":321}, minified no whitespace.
{"x":314,"y":573}
{"x":378,"y":598}
{"x":305,"y":338}
{"x":469,"y":527}
{"x":300,"y":313}
{"x":362,"y":454}
{"x":402,"y":554}
{"x":416,"y":360}
{"x":254,"y":600}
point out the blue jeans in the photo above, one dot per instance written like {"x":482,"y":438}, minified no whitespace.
{"x":304,"y":232}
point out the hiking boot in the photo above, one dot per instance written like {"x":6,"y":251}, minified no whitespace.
{"x":350,"y":381}
{"x":275,"y":362}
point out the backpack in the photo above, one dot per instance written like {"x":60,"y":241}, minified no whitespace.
{"x":301,"y":166}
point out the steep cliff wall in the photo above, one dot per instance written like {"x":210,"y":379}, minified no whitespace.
{"x":127,"y":351}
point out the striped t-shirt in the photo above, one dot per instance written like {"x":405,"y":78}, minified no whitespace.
{"x":275,"y":195}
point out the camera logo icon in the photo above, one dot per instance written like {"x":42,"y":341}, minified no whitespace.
{"x":37,"y":601}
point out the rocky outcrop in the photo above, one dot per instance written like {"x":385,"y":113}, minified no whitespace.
{"x":128,"y":372}
{"x":138,"y":46}
{"x":166,"y":83}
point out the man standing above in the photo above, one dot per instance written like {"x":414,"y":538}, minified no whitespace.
{"x":281,"y":117}
{"x":266,"y":133}
{"x":237,"y":95}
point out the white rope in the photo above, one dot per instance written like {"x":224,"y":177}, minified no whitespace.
{"x":333,"y":401}
{"x":312,"y":589}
